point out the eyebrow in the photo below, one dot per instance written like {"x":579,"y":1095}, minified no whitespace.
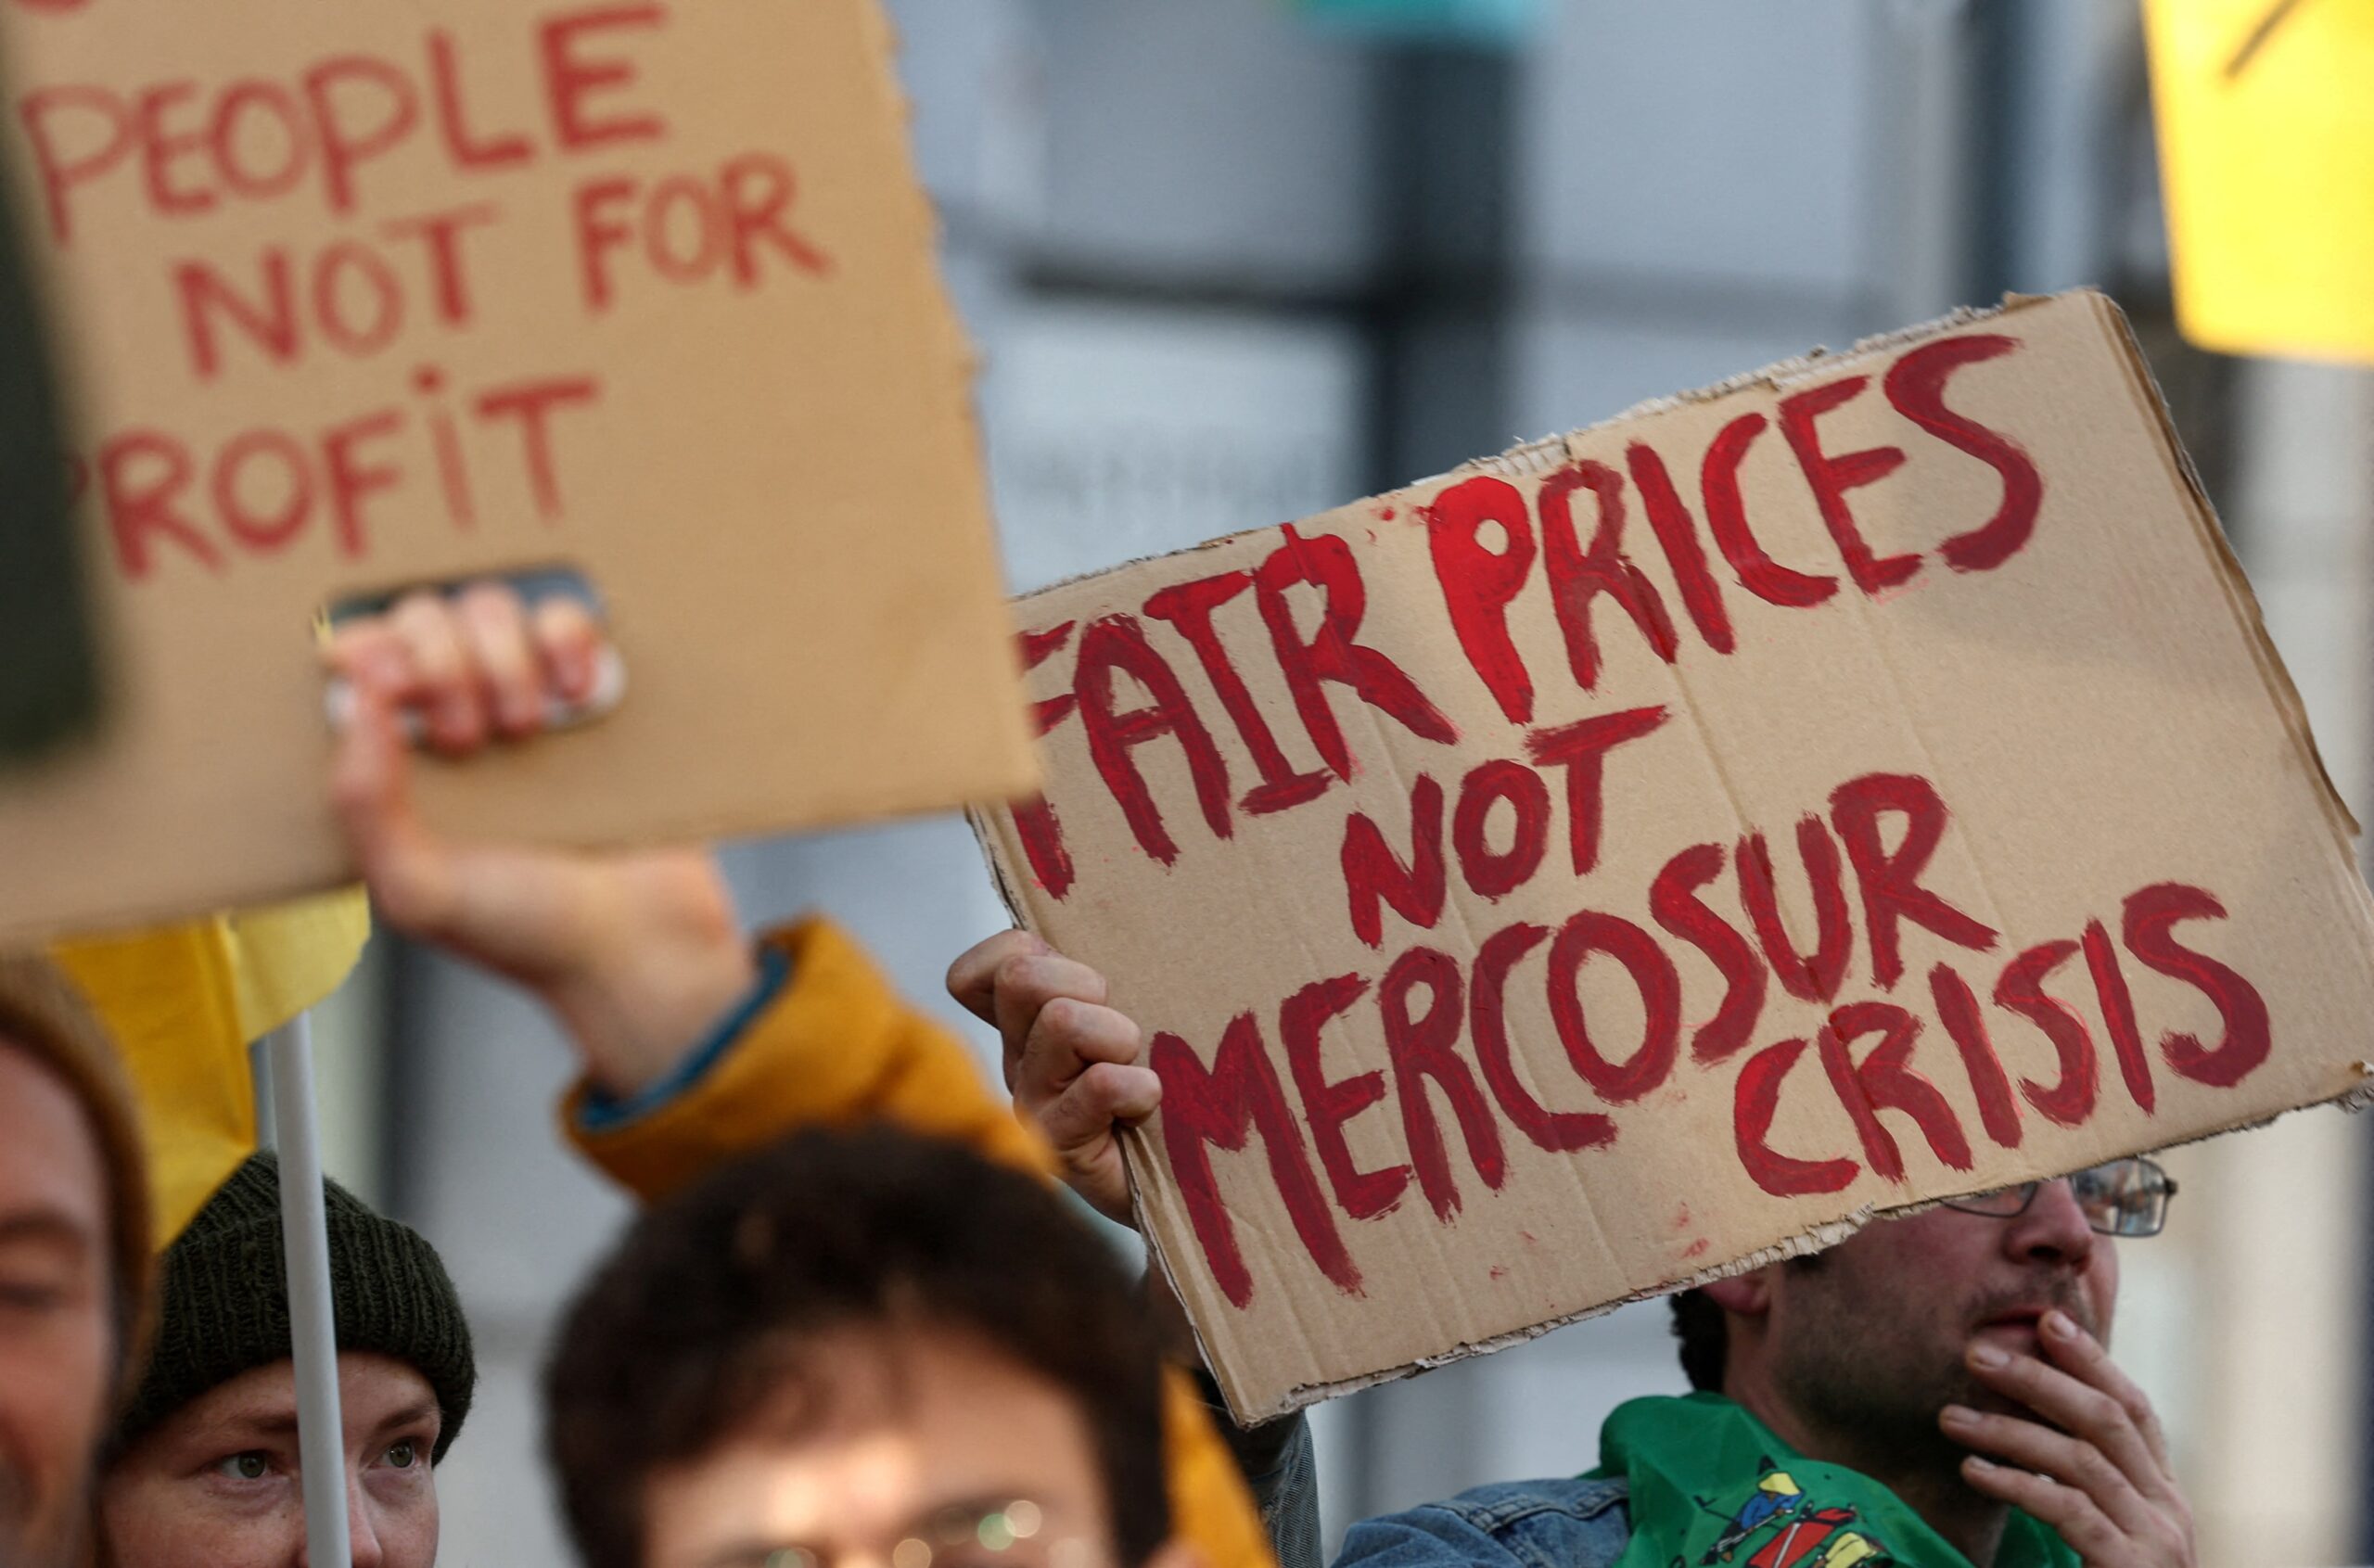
{"x":414,"y":1414}
{"x":48,"y":1227}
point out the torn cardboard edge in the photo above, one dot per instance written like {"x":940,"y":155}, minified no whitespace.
{"x":1818,"y":1238}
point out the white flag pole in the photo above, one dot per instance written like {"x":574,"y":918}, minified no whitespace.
{"x":305,"y":1237}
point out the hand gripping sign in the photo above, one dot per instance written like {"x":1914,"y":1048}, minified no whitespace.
{"x":1652,"y":850}
{"x":372,"y":295}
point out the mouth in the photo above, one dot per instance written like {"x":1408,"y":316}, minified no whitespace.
{"x":2012,"y":1320}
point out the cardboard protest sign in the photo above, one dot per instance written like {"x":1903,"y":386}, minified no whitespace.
{"x":1656,"y":848}
{"x":371,"y":295}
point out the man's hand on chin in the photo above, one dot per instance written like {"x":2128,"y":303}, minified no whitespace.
{"x":2095,"y":1466}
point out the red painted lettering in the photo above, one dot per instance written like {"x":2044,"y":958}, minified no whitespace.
{"x":2118,"y":1014}
{"x":441,"y":238}
{"x":231,"y":144}
{"x":1373,"y":873}
{"x":1327,"y":1105}
{"x":1831,"y":477}
{"x":1188,"y":607}
{"x":599,"y":231}
{"x":468,"y":150}
{"x":2021,"y":988}
{"x":353,"y":481}
{"x":1718,"y":482}
{"x":2151,"y":913}
{"x":1916,"y":385}
{"x":1420,"y":1049}
{"x":141,"y":475}
{"x":1478,"y":584}
{"x":1034,"y":819}
{"x":532,"y":404}
{"x":755,"y":193}
{"x":1886,"y":1080}
{"x":1494,"y":874}
{"x":1653,"y":975}
{"x":42,"y":112}
{"x":347,"y":142}
{"x":1677,"y":532}
{"x":1578,"y":576}
{"x":1890,"y":881}
{"x":1998,"y":1112}
{"x":1674,"y":901}
{"x":1225,"y":1105}
{"x":1581,"y":749}
{"x":273,"y":528}
{"x":1116,"y":645}
{"x":351,"y":328}
{"x":1330,"y":654}
{"x":269,"y":322}
{"x":573,"y":79}
{"x":1808,"y":980}
{"x":161,"y":150}
{"x":1756,"y":1100}
{"x":1558,"y":1132}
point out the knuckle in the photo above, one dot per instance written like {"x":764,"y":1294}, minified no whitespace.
{"x":2099,"y":1409}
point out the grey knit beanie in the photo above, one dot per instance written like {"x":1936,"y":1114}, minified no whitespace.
{"x":225,"y":1306}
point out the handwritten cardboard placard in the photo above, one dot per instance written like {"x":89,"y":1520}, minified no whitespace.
{"x":375,"y":294}
{"x":1646,"y":851}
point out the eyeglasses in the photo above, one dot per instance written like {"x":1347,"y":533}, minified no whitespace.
{"x":2126,"y":1197}
{"x":1009,"y":1535}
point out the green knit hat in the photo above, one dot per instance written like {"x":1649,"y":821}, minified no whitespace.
{"x":225,"y":1306}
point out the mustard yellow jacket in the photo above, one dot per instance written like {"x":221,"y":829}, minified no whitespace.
{"x":837,"y":1045}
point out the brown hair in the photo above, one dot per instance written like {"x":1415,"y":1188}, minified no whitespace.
{"x":708,"y":1309}
{"x":45,"y":1016}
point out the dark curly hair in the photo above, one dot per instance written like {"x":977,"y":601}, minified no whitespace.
{"x":1698,"y":1324}
{"x":704,"y":1312}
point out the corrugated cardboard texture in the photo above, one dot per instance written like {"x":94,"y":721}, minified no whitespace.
{"x":372,"y":294}
{"x":1957,"y":652}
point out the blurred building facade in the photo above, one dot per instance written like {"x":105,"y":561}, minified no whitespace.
{"x":1224,"y":269}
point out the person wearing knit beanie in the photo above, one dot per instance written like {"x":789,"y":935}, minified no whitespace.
{"x":75,"y":1262}
{"x":202,"y":1466}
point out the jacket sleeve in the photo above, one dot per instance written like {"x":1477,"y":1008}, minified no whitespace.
{"x":835,"y":1046}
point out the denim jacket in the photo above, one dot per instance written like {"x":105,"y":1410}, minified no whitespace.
{"x":1509,"y":1524}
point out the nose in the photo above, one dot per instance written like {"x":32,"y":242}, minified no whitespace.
{"x":361,"y":1531}
{"x":2052,"y":1230}
{"x":362,"y":1525}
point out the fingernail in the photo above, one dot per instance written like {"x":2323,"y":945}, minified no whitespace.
{"x":2060,"y":1324}
{"x":1974,"y":1462}
{"x":1988,"y":1357}
{"x":1958,"y":1415}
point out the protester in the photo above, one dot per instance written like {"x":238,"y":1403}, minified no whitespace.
{"x":202,"y":1468}
{"x":1934,"y":1390}
{"x":74,"y":1258}
{"x":696,"y":1046}
{"x":861,"y":1347}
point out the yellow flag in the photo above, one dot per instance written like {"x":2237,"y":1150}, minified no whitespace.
{"x":2265,"y":112}
{"x":183,"y":1003}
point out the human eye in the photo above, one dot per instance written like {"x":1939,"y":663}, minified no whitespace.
{"x":250,"y":1464}
{"x":403,"y":1455}
{"x":34,"y":1279}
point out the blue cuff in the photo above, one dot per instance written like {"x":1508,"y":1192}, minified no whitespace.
{"x":600,"y":1112}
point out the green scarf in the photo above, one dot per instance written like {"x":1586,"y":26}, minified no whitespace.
{"x":1711,"y":1484}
